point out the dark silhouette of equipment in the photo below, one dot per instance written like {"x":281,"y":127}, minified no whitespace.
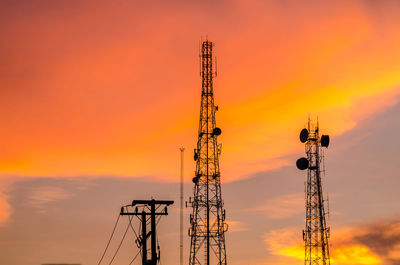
{"x":147,"y":215}
{"x":316,"y":233}
{"x":302,"y":163}
{"x":208,"y":226}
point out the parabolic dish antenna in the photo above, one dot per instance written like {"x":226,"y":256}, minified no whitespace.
{"x":302,"y":163}
{"x":325,"y":141}
{"x":217,"y":131}
{"x":304,"y":135}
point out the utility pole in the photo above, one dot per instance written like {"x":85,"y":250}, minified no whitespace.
{"x":316,"y":233}
{"x":208,"y":226}
{"x":147,"y":215}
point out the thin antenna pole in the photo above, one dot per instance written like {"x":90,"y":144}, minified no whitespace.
{"x":181,"y":210}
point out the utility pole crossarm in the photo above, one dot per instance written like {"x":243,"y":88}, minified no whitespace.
{"x":148,"y":212}
{"x":151,"y":202}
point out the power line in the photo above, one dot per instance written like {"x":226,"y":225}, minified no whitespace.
{"x":137,"y":254}
{"x":120,"y":243}
{"x":109,"y":241}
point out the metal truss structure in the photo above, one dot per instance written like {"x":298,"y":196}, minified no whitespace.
{"x":208,"y":226}
{"x":316,"y":233}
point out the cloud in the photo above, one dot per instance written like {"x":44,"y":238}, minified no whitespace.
{"x":371,"y":244}
{"x":281,"y":207}
{"x":236,"y":226}
{"x":43,"y":196}
{"x":383,"y":238}
{"x":5,"y":207}
{"x":86,"y":102}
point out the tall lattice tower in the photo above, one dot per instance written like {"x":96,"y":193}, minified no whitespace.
{"x":208,"y":227}
{"x":316,"y":233}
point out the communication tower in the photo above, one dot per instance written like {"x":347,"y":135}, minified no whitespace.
{"x":208,"y":226}
{"x":316,"y":233}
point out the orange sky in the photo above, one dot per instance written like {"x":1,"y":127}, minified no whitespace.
{"x":100,"y":89}
{"x":97,"y":93}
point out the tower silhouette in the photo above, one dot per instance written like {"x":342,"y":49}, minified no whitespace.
{"x":147,"y":212}
{"x":208,"y":227}
{"x":316,"y":233}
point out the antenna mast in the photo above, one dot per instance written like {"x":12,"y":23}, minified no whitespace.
{"x":316,"y":234}
{"x":181,"y":209}
{"x":208,"y":226}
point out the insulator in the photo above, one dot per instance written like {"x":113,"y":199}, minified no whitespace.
{"x":122,"y":210}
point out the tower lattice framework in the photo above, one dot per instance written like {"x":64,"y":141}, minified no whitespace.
{"x":208,"y":227}
{"x":316,"y":233}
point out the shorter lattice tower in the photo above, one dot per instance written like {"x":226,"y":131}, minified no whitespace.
{"x":316,"y":233}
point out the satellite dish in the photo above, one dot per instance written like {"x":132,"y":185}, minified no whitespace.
{"x":195,"y":179}
{"x":325,"y":141}
{"x":217,"y":131}
{"x":302,"y":163}
{"x":304,"y":135}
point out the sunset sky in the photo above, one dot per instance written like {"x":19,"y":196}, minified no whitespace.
{"x":96,"y":97}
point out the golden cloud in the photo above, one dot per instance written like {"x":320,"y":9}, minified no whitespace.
{"x":368,"y":244}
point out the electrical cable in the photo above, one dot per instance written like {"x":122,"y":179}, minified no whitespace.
{"x":137,"y":254}
{"x":109,"y":241}
{"x":120,"y":243}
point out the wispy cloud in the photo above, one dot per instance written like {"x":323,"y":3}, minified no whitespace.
{"x":5,"y":209}
{"x":236,"y":226}
{"x":284,"y":206}
{"x":338,"y":72}
{"x":42,"y":196}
